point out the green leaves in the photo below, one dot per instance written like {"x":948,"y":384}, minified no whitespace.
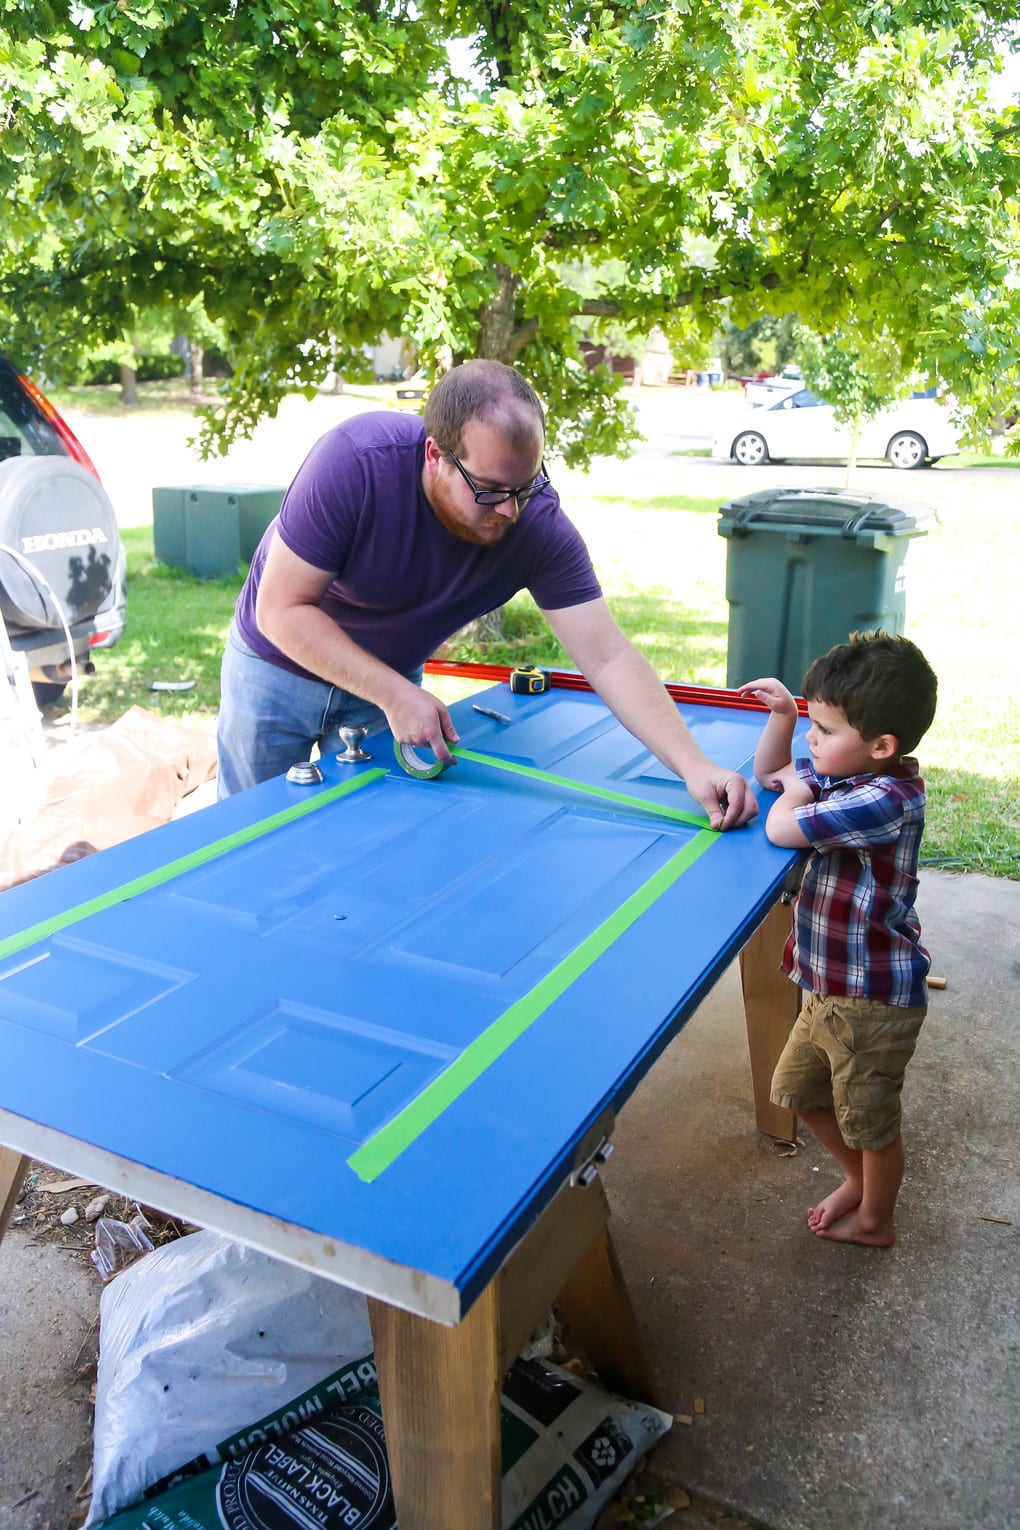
{"x":317,"y":173}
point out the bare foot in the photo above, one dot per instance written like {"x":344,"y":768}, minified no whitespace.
{"x":834,"y":1206}
{"x":849,"y":1230}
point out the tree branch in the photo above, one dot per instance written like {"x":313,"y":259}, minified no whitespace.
{"x":608,"y":308}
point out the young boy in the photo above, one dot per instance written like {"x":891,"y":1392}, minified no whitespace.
{"x":858,"y":805}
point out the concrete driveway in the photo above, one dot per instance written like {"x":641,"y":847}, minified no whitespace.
{"x":134,"y":456}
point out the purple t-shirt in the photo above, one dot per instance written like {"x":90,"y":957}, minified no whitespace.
{"x":403,"y":582}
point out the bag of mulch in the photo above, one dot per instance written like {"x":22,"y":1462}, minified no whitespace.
{"x":197,"y":1341}
{"x":567,"y":1447}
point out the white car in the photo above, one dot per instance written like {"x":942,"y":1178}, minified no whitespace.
{"x":910,"y":434}
{"x":771,"y":388}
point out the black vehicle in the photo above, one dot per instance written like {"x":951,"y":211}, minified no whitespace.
{"x":62,"y":566}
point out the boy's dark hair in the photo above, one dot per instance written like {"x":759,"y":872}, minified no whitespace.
{"x":882,"y":683}
{"x":486,"y":391}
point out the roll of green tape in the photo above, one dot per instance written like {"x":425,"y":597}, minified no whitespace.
{"x":416,"y":765}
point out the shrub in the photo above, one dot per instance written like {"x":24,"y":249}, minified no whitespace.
{"x":148,"y":368}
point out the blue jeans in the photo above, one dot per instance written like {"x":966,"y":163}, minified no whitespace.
{"x":269,"y":719}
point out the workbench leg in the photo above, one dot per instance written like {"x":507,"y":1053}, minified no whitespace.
{"x":596,"y":1307}
{"x":771,"y":1004}
{"x":440,"y":1389}
{"x":13,"y":1168}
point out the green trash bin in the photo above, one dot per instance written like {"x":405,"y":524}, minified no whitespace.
{"x":209,"y":529}
{"x":804,"y":569}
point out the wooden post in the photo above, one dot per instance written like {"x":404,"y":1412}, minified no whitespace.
{"x":439,"y":1388}
{"x":13,"y":1168}
{"x":544,"y":1261}
{"x":596,"y":1306}
{"x":771,"y":1003}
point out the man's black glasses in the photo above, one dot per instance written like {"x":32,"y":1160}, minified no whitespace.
{"x":522,"y":495}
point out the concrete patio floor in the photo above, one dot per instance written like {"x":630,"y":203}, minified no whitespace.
{"x":842,"y":1387}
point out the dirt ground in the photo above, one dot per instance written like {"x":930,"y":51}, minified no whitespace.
{"x":49,"y":1197}
{"x":58,"y":1212}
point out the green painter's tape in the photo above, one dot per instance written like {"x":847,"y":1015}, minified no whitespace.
{"x":386,"y":1145}
{"x":416,"y":764}
{"x":172,"y":869}
{"x":656,"y":808}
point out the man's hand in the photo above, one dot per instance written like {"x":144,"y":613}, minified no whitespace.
{"x":773,"y":694}
{"x":724,"y":794}
{"x":633,"y":692}
{"x":417,"y":717}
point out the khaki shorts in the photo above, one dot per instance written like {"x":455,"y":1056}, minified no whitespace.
{"x":849,"y":1055}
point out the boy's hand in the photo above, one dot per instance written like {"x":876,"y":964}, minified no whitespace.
{"x":772,"y":758}
{"x":773,"y":694}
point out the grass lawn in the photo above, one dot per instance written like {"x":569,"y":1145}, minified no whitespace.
{"x":662,"y":565}
{"x":980,"y":459}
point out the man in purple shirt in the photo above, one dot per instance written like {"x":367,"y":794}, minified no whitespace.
{"x":394,"y":534}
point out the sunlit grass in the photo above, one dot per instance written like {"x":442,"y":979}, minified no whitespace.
{"x":663,"y":565}
{"x":980,"y":459}
{"x":176,"y":629}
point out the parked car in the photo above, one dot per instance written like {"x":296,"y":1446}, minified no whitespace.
{"x":62,"y":566}
{"x":766,"y":389}
{"x":911,"y":434}
{"x":410,"y":391}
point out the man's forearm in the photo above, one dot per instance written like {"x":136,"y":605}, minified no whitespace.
{"x":310,"y":638}
{"x":632,"y":690}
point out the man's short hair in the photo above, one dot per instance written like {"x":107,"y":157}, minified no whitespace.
{"x":881,"y":682}
{"x":490,"y":392}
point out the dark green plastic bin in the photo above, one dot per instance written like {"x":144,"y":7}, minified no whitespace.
{"x":804,"y":569}
{"x":209,"y":529}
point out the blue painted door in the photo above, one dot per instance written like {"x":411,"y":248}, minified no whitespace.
{"x":368,"y":1023}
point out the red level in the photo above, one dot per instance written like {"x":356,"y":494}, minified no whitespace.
{"x":570,"y":680}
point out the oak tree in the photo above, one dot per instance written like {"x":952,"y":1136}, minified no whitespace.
{"x":319,"y":172}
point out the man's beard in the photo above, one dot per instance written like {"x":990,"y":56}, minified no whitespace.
{"x":489,"y":530}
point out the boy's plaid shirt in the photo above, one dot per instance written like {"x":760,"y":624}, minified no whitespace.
{"x":855,"y":931}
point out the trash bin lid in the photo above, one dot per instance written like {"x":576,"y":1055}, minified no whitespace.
{"x":843,"y":512}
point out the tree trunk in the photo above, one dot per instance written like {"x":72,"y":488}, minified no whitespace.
{"x":500,"y":337}
{"x":851,"y":456}
{"x":196,"y":357}
{"x":484,"y":629}
{"x":128,"y":386}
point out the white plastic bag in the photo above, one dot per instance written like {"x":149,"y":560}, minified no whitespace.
{"x":198,"y":1341}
